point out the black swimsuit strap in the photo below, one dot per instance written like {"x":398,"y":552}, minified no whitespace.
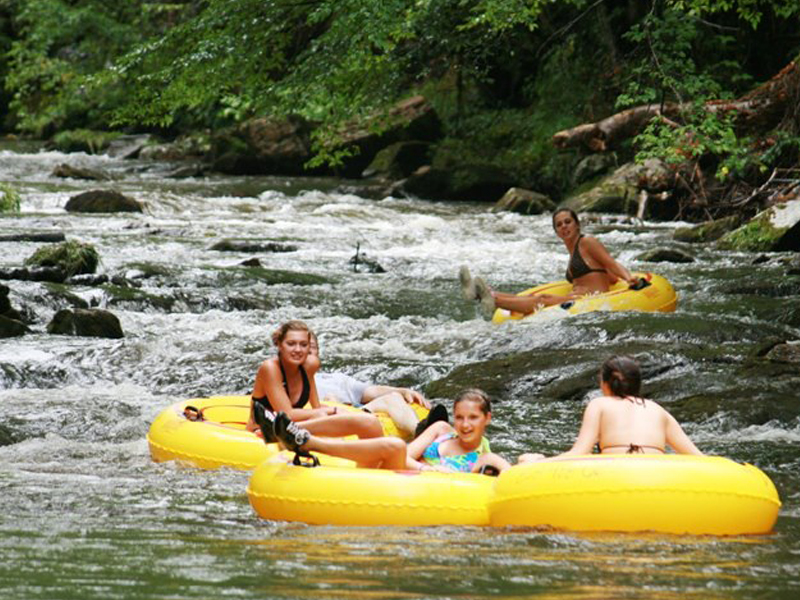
{"x":577,"y":266}
{"x":634,"y":448}
{"x":304,"y":395}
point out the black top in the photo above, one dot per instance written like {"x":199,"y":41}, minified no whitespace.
{"x":577,"y":266}
{"x":304,"y":395}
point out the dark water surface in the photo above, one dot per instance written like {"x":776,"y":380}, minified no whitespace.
{"x":86,"y":514}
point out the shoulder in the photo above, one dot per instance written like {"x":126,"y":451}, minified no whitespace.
{"x":590,"y":243}
{"x":269,"y":367}
{"x":311,"y":364}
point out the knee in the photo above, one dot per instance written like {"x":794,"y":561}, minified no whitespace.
{"x":370,"y":426}
{"x":392,"y":446}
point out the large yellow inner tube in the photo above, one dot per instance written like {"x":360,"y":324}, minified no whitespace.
{"x":676,"y":494}
{"x":338,"y":495}
{"x":670,"y":494}
{"x":656,"y":295}
{"x":220,"y":438}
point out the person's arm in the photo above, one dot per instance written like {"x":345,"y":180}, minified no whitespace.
{"x":594,"y":248}
{"x":589,"y":433}
{"x":677,"y":438}
{"x":311,"y":366}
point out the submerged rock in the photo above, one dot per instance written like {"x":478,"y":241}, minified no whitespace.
{"x":103,"y":201}
{"x":92,"y":322}
{"x":69,"y":172}
{"x":665,"y":255}
{"x":34,"y":237}
{"x":52,"y":274}
{"x":250,"y":247}
{"x":12,"y":327}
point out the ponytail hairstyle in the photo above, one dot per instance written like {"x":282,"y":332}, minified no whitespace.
{"x":623,"y":376}
{"x":474,"y":395}
{"x":571,"y":212}
{"x":280,"y":333}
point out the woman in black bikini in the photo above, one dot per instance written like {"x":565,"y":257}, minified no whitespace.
{"x":622,"y":422}
{"x":591,"y":269}
{"x":286,"y":383}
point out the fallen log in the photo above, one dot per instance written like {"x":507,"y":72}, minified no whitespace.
{"x":772,"y":104}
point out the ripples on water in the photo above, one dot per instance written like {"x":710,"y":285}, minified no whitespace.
{"x":87,"y":515}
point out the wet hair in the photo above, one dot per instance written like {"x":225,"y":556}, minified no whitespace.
{"x":280,"y":333}
{"x":474,"y":395}
{"x":571,"y":212}
{"x":623,"y":375}
{"x":313,"y":340}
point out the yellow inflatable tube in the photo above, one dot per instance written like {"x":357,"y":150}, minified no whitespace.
{"x":341,"y":495}
{"x":655,"y":294}
{"x":670,"y":494}
{"x":220,"y":438}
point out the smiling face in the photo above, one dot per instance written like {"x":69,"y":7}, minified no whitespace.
{"x":294,"y":347}
{"x":566,"y":224}
{"x":470,"y":422}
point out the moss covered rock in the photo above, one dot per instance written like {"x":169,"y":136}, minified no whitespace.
{"x":775,"y":229}
{"x":70,"y":257}
{"x":619,"y":191}
{"x":709,"y":231}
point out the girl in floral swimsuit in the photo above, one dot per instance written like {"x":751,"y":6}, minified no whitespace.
{"x":441,"y":447}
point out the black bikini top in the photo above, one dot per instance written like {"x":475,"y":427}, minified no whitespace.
{"x":577,"y":267}
{"x":634,"y":448}
{"x":304,"y":395}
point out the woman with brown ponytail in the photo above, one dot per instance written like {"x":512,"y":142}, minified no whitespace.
{"x":622,"y":422}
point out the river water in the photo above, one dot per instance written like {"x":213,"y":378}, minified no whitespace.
{"x":86,"y":514}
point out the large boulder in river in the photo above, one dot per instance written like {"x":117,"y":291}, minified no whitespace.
{"x":776,"y":229}
{"x":413,"y":119}
{"x":103,"y":201}
{"x":263,"y":146}
{"x":619,"y":192}
{"x":468,"y":182}
{"x":399,"y":160}
{"x":525,"y":202}
{"x":129,"y":146}
{"x":93,"y":322}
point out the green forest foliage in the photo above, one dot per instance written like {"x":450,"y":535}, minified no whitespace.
{"x":513,"y":71}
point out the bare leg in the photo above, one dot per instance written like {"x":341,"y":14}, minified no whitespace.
{"x":361,"y":424}
{"x":398,"y":409}
{"x":527,"y":304}
{"x":378,"y":453}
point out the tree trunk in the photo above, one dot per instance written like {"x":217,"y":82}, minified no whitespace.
{"x":775,"y":103}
